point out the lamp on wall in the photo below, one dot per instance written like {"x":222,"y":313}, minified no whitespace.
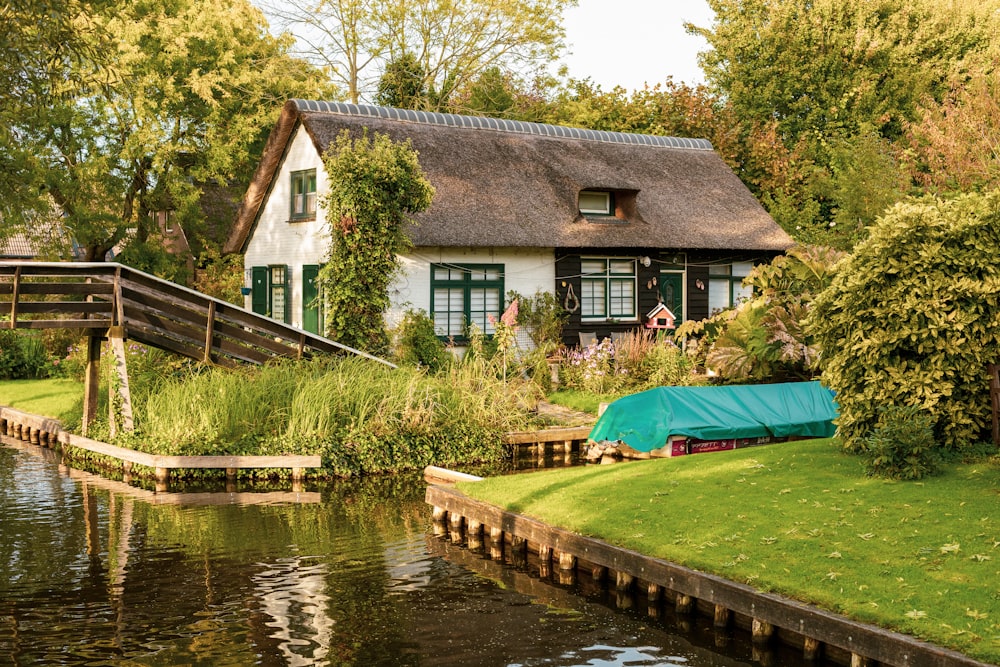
{"x":645,"y":261}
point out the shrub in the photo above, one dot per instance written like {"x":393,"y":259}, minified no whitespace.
{"x":417,"y":344}
{"x":542,"y":317}
{"x":913,"y":318}
{"x":22,"y":356}
{"x":902,"y":446}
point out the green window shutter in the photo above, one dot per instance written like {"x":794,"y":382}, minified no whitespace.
{"x":258,"y":289}
{"x":310,"y":292}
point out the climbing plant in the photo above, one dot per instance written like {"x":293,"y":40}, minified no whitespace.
{"x":374,"y":185}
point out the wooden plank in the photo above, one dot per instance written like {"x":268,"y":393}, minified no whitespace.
{"x":436,"y":474}
{"x":155,"y":339}
{"x":46,"y":288}
{"x":14,"y":298}
{"x":66,"y":307}
{"x":200,"y":462}
{"x":209,"y":328}
{"x":95,"y":324}
{"x":547,"y":435}
{"x":47,"y":424}
{"x":883,"y":645}
{"x":239,"y":462}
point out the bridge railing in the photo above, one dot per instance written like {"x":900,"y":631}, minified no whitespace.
{"x":102,"y":296}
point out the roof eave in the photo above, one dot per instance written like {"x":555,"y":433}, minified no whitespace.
{"x":263,"y":178}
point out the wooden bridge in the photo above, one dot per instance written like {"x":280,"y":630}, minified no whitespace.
{"x":108,"y":301}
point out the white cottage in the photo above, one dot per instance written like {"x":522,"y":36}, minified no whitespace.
{"x":612,"y":223}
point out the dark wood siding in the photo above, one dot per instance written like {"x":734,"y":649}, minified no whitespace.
{"x":696,"y":295}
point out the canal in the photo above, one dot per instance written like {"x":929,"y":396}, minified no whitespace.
{"x":97,"y":572}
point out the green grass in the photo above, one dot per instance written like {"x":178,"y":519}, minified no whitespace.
{"x":800,"y":519}
{"x":581,"y":401}
{"x":56,"y":398}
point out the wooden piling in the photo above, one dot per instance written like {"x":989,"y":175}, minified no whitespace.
{"x":623,"y":582}
{"x":684,"y":604}
{"x":496,"y":543}
{"x":761,"y":631}
{"x":812,"y":649}
{"x":722,"y":616}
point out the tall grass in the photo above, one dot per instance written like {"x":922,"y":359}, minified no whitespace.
{"x":361,"y":417}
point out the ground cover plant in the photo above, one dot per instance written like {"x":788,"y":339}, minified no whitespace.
{"x":800,"y":519}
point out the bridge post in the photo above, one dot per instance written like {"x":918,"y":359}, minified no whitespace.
{"x":91,"y":380}
{"x":119,"y":396}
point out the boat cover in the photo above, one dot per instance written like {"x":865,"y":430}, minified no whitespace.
{"x":645,"y":421}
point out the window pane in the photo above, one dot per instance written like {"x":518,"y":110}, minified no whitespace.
{"x":311,"y":202}
{"x":622,"y":298}
{"x":595,"y":202}
{"x":718,"y":270}
{"x":741,"y":293}
{"x":442,"y":273}
{"x":622,"y":267}
{"x":592,"y":298}
{"x":742,"y":269}
{"x":593,"y":267}
{"x":718,"y":295}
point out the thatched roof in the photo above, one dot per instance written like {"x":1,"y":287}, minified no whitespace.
{"x":512,"y":184}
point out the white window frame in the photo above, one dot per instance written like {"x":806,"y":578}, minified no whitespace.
{"x":611,"y":284}
{"x":303,"y":203}
{"x":607,"y":209}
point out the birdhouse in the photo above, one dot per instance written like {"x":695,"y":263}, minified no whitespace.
{"x":660,"y":318}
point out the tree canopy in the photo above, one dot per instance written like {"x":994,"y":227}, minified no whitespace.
{"x":162,"y":96}
{"x":451,"y":41}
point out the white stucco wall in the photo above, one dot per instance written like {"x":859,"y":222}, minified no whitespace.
{"x":526,"y":270}
{"x":276,"y":240}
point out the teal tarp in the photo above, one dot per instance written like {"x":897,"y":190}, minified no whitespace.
{"x":646,"y":420}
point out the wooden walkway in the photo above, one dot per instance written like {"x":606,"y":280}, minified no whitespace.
{"x":113,"y":302}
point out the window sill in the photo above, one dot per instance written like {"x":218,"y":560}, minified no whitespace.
{"x":610,"y":320}
{"x":311,"y":218}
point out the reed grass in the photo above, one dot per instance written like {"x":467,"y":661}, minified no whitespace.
{"x":800,"y":519}
{"x":359,"y":416}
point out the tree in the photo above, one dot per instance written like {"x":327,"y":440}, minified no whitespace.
{"x":911,"y":319}
{"x":956,"y":144}
{"x":45,"y":46}
{"x":375,"y":184}
{"x":452,"y":40}
{"x":181,"y":95}
{"x":403,"y":84}
{"x":827,"y":88}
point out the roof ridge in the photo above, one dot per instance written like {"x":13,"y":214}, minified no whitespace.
{"x":500,"y":125}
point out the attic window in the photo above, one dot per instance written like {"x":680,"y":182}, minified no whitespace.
{"x":303,"y":195}
{"x":596,"y":202}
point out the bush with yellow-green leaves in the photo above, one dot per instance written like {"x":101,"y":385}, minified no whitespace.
{"x":912,"y":318}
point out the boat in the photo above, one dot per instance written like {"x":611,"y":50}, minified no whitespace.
{"x":676,"y":421}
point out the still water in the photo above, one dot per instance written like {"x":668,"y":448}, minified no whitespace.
{"x":96,"y":572}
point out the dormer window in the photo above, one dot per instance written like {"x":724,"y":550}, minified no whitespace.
{"x":597,"y":202}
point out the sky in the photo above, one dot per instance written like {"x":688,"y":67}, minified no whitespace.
{"x":633,"y":42}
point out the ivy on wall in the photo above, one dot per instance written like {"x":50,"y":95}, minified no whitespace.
{"x":374,"y":185}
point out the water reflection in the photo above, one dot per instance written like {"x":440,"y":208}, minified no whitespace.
{"x":99,"y":573}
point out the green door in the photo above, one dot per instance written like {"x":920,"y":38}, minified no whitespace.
{"x":672,"y":294}
{"x":258,"y":289}
{"x":310,"y":298}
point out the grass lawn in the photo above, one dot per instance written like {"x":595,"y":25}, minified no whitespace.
{"x":581,"y":401}
{"x":799,"y":519}
{"x":49,"y":398}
